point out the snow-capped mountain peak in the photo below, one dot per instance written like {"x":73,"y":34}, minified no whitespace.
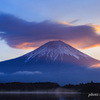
{"x":54,"y":61}
{"x":56,"y":49}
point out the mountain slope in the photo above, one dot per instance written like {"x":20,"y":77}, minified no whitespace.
{"x":54,"y":61}
{"x":58,"y":51}
{"x":53,"y":52}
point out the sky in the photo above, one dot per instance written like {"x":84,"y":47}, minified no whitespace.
{"x":27,"y":24}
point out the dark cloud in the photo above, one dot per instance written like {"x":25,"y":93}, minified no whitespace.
{"x":19,"y":33}
{"x":74,"y":21}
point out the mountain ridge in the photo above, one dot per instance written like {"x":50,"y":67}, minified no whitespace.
{"x":70,"y":65}
{"x":58,"y":50}
{"x":54,"y":47}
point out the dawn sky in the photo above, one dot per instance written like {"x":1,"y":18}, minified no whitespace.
{"x":27,"y":24}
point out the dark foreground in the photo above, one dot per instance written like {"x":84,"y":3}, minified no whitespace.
{"x":47,"y":97}
{"x":49,"y":87}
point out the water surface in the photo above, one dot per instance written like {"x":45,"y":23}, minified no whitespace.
{"x":51,"y":96}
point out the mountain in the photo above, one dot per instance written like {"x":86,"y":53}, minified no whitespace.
{"x":58,"y":51}
{"x":54,"y":61}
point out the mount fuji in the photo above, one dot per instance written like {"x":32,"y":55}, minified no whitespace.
{"x":54,"y":61}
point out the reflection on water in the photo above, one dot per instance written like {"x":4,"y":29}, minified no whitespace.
{"x":47,"y":97}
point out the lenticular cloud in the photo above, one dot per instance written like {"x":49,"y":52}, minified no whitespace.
{"x":21,"y":34}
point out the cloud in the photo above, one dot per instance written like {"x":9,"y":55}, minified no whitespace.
{"x":21,"y":34}
{"x":74,"y":21}
{"x":96,"y":27}
{"x":63,"y":22}
{"x":1,"y":73}
{"x":26,"y":72}
{"x":95,"y":66}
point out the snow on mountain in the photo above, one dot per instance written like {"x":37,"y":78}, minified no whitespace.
{"x":54,"y":50}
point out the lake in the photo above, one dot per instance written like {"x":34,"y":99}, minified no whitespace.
{"x":44,"y":96}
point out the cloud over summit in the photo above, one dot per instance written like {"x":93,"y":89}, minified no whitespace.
{"x":21,"y":34}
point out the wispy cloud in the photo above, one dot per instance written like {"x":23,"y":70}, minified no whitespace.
{"x":1,"y":73}
{"x":26,"y":72}
{"x":95,"y":66}
{"x":74,"y":21}
{"x":21,"y":34}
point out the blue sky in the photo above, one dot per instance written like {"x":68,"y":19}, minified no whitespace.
{"x":71,"y":12}
{"x":86,"y":11}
